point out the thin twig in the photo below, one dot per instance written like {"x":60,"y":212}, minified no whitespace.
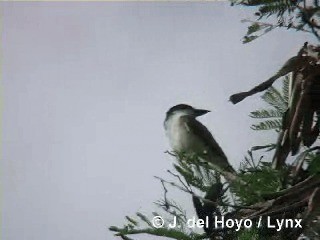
{"x":275,"y":26}
{"x":177,"y":176}
{"x":173,"y":184}
{"x":202,"y":198}
{"x":170,"y":153}
{"x":166,"y":203}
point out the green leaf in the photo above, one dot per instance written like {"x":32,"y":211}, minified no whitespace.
{"x":314,"y":166}
{"x":134,"y":222}
{"x":144,"y":219}
{"x":268,"y":147}
{"x":248,"y":39}
{"x":266,"y":113}
{"x":253,"y":28}
{"x":268,"y":125}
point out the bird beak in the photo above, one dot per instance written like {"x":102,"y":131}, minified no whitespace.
{"x":199,"y":112}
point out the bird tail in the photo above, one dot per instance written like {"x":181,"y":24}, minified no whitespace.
{"x":229,"y":176}
{"x":230,"y":169}
{"x":226,"y":169}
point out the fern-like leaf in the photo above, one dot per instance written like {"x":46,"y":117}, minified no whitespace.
{"x":268,"y":125}
{"x":266,"y":113}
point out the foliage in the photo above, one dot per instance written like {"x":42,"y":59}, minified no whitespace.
{"x":260,"y":181}
{"x":271,"y":118}
{"x":191,"y":172}
{"x":278,"y":102}
{"x":300,"y":15}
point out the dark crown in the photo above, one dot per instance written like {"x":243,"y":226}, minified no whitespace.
{"x":179,"y":107}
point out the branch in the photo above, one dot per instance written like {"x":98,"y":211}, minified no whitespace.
{"x":161,"y":232}
{"x":177,"y":176}
{"x":277,"y":25}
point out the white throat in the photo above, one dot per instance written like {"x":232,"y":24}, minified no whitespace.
{"x":177,"y":132}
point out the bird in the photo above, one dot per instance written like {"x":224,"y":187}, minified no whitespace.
{"x":187,"y":135}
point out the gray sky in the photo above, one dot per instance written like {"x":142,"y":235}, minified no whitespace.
{"x":86,"y":88}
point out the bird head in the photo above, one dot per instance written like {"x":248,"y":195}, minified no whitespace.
{"x":185,"y":110}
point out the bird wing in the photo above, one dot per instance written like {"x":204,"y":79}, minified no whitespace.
{"x":197,"y":128}
{"x":219,"y":159}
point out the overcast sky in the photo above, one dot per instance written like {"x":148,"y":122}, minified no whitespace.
{"x":85,"y":91}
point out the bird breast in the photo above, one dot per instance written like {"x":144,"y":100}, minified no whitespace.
{"x":181,"y":138}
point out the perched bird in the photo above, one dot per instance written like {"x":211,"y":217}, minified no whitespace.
{"x":187,"y":135}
